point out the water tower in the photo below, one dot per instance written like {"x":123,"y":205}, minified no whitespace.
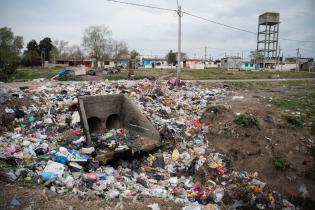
{"x":267,"y":39}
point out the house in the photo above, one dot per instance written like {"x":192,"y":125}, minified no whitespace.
{"x":121,"y":62}
{"x":231,"y":63}
{"x":212,"y":64}
{"x":193,"y":63}
{"x":152,"y":63}
{"x":248,"y":66}
{"x":73,"y":62}
{"x":306,"y":64}
{"x":109,"y":64}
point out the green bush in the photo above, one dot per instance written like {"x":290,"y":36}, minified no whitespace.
{"x":296,"y":121}
{"x":246,"y":120}
{"x":279,"y":164}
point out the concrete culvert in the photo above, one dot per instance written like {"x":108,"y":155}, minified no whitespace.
{"x":113,"y":122}
{"x":95,"y":125}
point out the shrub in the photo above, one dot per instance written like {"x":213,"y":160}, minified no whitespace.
{"x":246,"y":120}
{"x":296,"y":121}
{"x":279,"y":164}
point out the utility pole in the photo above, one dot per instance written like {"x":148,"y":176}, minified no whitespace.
{"x":205,"y":54}
{"x":282,"y":60}
{"x":179,"y":12}
{"x":297,"y":57}
{"x":42,"y":58}
{"x":278,"y":58}
{"x":116,"y":56}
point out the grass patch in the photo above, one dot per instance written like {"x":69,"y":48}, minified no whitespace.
{"x":186,"y":74}
{"x":303,"y":102}
{"x":216,"y":73}
{"x":34,"y":73}
{"x":69,"y":78}
{"x":279,"y":164}
{"x":246,"y":120}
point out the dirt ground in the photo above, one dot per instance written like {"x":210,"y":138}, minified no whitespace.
{"x":34,"y":197}
{"x":251,"y":149}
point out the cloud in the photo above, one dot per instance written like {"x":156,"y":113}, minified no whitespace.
{"x":155,"y":31}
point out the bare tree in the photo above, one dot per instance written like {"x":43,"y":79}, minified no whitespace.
{"x":75,"y":52}
{"x":60,"y":48}
{"x":96,"y":39}
{"x":121,"y":51}
{"x":134,"y":54}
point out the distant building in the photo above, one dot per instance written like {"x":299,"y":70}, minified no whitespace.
{"x":152,"y":63}
{"x":291,"y":64}
{"x":121,"y":62}
{"x":307,"y":65}
{"x":212,"y":64}
{"x":194,"y":64}
{"x":73,"y":62}
{"x":247,"y":66}
{"x":231,"y":63}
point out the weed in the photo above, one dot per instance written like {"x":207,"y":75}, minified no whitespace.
{"x":296,"y":121}
{"x":279,"y":164}
{"x":69,"y":78}
{"x":313,"y":128}
{"x":312,"y":151}
{"x":246,"y":120}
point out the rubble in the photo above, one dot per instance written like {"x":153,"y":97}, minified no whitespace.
{"x":48,"y":147}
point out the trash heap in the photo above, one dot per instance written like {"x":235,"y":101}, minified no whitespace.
{"x":48,"y":147}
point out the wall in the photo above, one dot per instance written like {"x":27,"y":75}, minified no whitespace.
{"x":286,"y":67}
{"x":197,"y":66}
{"x":248,"y":67}
{"x":231,"y":63}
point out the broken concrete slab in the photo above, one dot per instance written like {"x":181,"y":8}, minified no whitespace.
{"x":104,"y":112}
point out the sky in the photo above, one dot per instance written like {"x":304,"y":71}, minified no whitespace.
{"x":155,"y":32}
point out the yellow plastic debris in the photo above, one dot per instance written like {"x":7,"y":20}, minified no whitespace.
{"x":175,"y":155}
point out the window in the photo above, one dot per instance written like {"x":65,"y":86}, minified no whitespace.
{"x":246,"y":64}
{"x":251,"y":65}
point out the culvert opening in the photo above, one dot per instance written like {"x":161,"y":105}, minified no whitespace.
{"x":113,"y":122}
{"x":95,"y":125}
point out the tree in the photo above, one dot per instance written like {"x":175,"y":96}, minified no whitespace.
{"x":45,"y":46}
{"x":97,"y":40}
{"x":60,"y":48}
{"x":121,"y":50}
{"x":134,"y":54}
{"x":32,"y":46}
{"x":75,"y":52}
{"x":10,"y":47}
{"x":31,"y":56}
{"x":171,"y":57}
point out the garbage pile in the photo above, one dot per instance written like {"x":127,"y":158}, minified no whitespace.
{"x":48,"y":147}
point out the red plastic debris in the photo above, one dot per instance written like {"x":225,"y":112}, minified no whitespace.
{"x":221,"y":170}
{"x":197,"y":123}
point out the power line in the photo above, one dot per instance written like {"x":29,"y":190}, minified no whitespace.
{"x":142,"y":5}
{"x":295,"y":40}
{"x":240,"y":29}
{"x":205,"y":19}
{"x":218,"y":23}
